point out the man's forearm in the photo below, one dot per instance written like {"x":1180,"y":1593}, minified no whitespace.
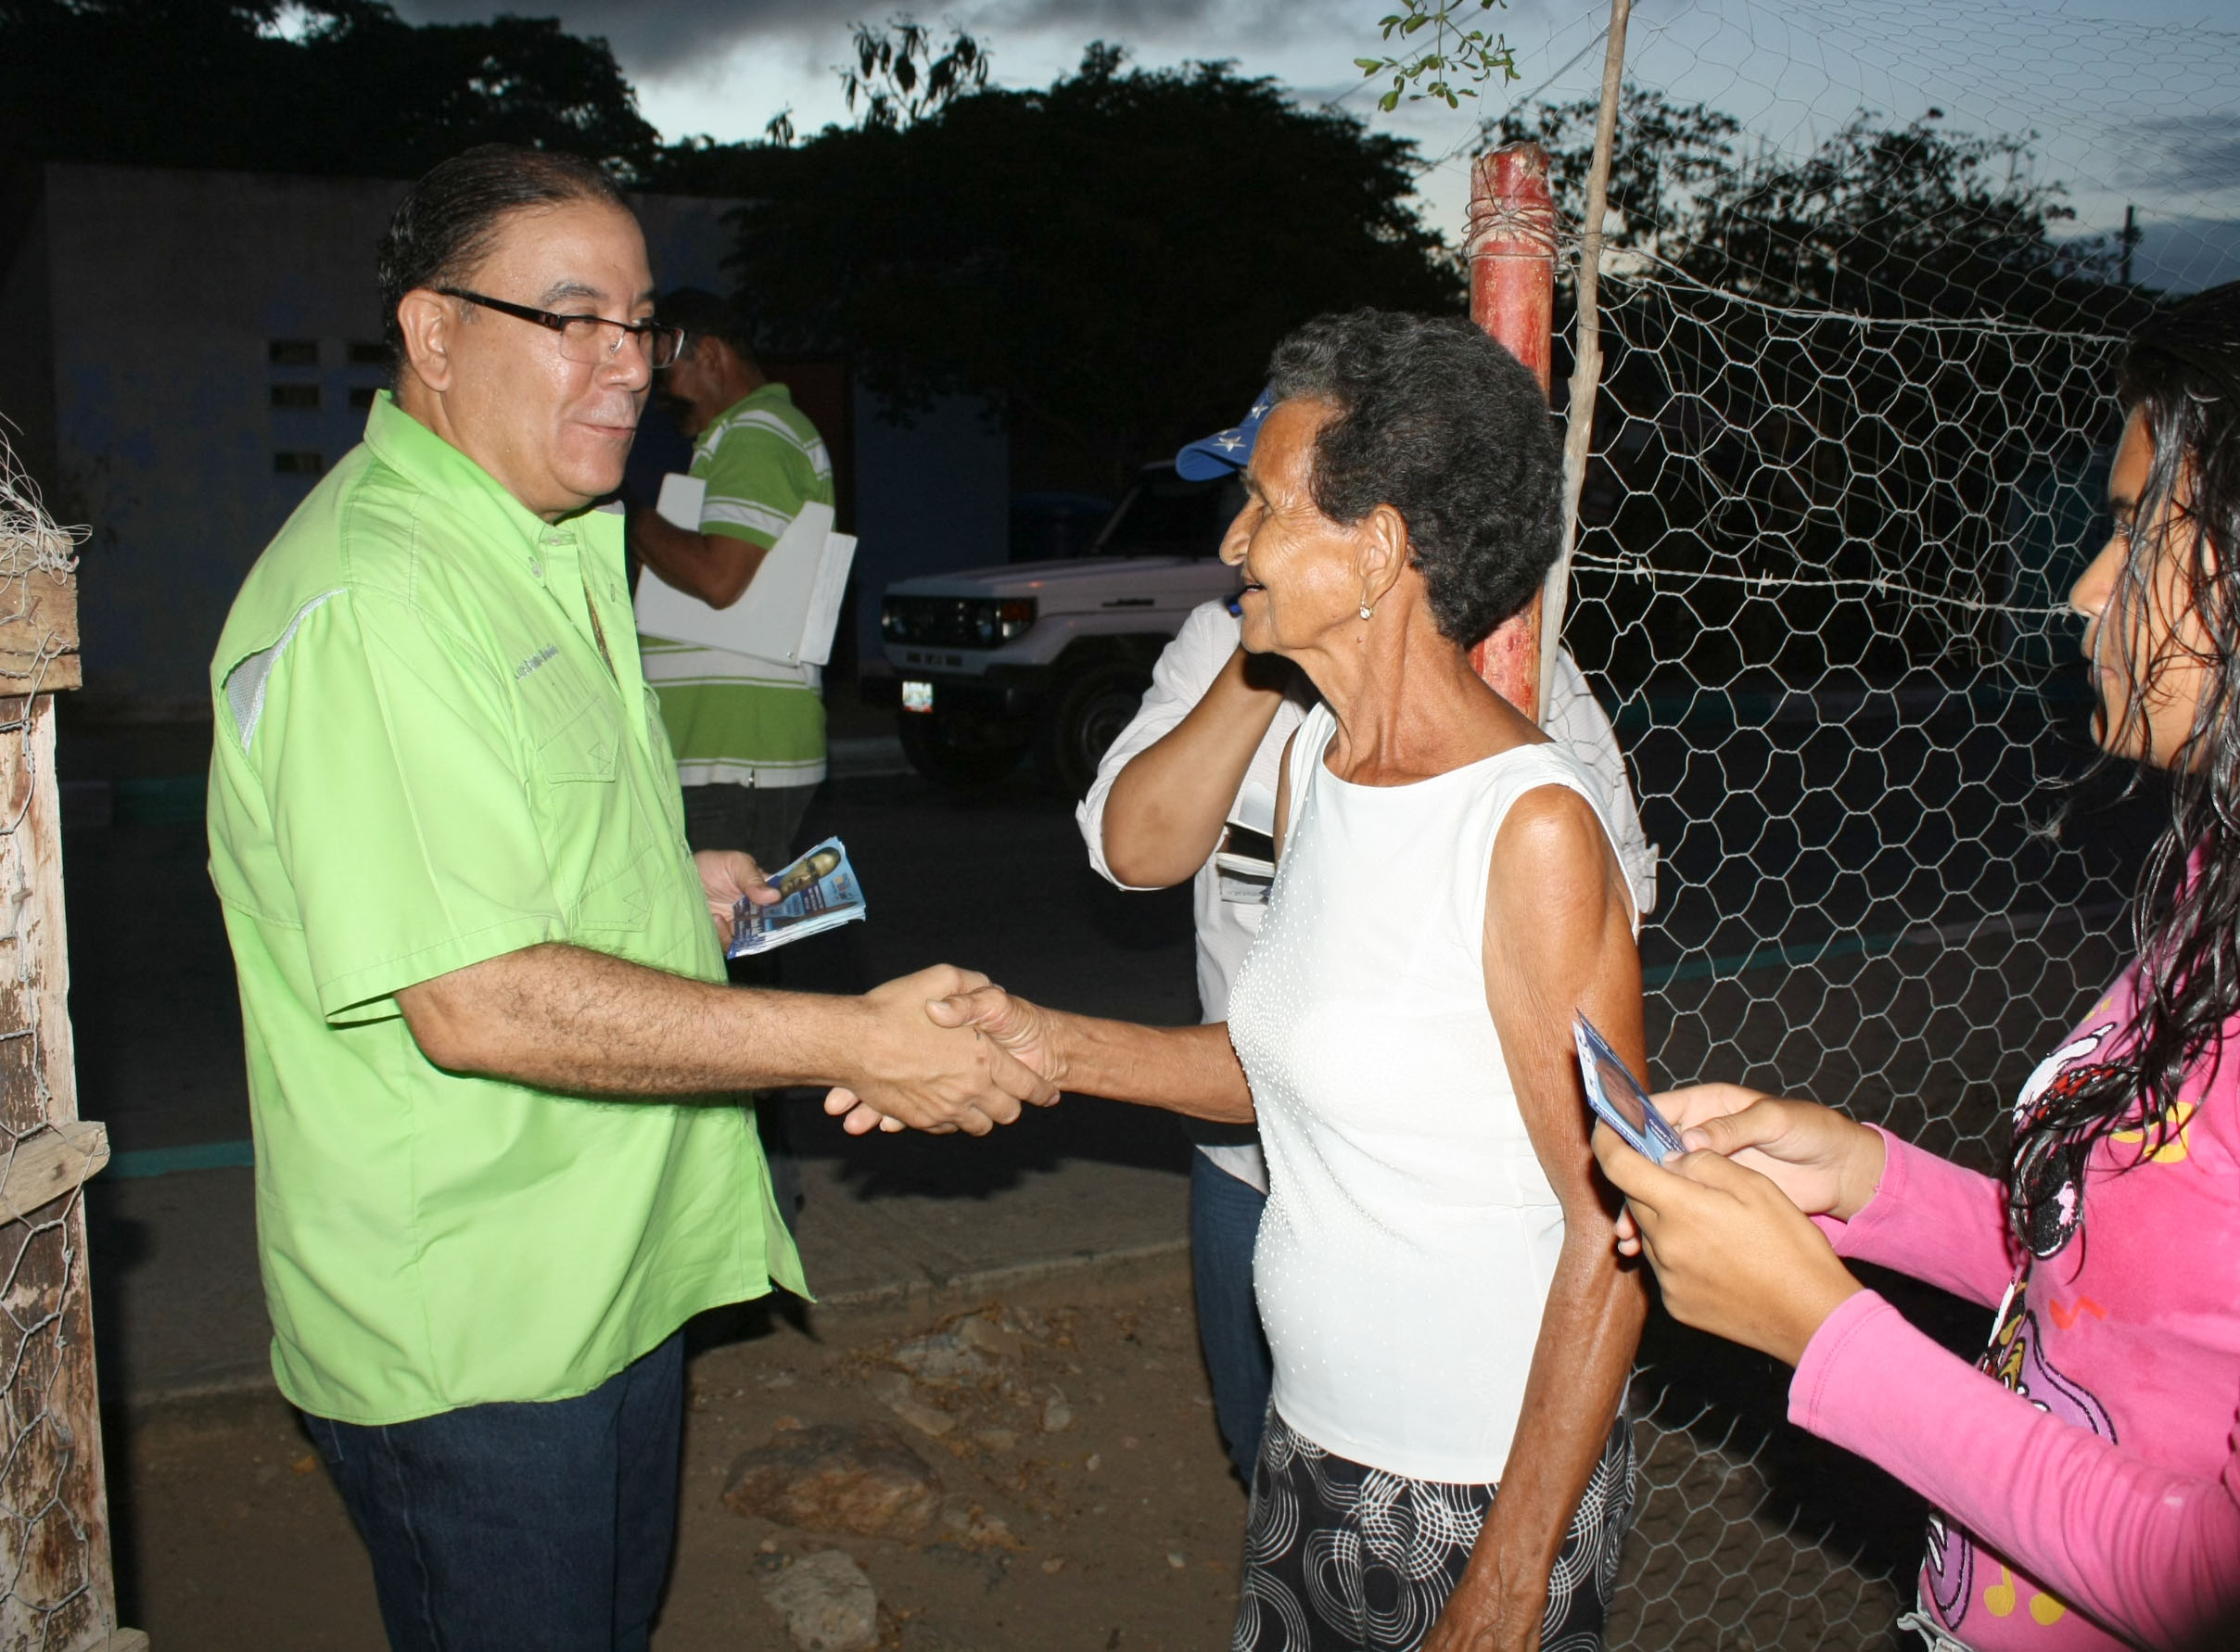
{"x":564,"y":1018}
{"x":1165,"y":814}
{"x":715,"y":568}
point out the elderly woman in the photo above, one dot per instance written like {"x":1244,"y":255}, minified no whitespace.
{"x":1445,"y":1464}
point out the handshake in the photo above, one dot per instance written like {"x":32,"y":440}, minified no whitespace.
{"x":945,"y":1049}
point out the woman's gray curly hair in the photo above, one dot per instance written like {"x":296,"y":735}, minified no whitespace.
{"x":1441,"y":422}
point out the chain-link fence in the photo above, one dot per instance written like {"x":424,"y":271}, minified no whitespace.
{"x":58,"y":1592}
{"x":1869,"y":270}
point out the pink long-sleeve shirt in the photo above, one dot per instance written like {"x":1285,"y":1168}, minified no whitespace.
{"x":2087,"y":1474}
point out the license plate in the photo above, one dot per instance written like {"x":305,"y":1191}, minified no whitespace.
{"x":917,"y":696}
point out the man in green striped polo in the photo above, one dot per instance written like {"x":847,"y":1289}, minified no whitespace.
{"x":748,"y":733}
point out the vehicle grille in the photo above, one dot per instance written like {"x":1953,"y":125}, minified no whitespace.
{"x":940,"y":622}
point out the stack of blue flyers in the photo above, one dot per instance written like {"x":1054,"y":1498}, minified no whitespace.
{"x":818,"y":892}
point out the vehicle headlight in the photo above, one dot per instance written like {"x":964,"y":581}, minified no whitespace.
{"x":890,"y":621}
{"x":994,"y":621}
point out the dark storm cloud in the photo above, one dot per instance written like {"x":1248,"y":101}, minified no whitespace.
{"x":654,"y":37}
{"x":1116,"y":18}
{"x":2197,"y":154}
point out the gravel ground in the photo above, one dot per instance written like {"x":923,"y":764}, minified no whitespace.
{"x":1119,"y":1528}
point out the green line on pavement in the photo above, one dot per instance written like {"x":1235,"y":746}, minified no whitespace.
{"x":200,"y":1155}
{"x":1767,"y":958}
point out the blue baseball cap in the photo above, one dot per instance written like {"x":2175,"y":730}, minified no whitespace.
{"x":1228,"y":451}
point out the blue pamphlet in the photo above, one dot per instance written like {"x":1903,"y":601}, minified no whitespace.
{"x":818,"y":892}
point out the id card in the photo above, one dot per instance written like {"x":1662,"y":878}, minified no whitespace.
{"x":1617,"y":1098}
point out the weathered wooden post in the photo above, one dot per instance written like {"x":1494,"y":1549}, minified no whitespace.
{"x":53,"y":1508}
{"x":1512,"y":268}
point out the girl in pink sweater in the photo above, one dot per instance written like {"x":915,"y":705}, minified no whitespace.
{"x":2085,"y":1472}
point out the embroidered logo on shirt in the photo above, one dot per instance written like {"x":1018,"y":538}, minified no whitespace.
{"x":534,"y":660}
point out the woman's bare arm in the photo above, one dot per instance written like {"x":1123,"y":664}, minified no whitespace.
{"x":1185,"y":1070}
{"x":1559,"y":938}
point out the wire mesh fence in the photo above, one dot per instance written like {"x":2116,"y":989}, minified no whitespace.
{"x":56,"y":1585}
{"x":1868,"y":274}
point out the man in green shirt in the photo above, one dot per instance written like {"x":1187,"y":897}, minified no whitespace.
{"x":492,"y":1062}
{"x":749,"y":733}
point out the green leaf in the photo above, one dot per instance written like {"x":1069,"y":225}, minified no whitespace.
{"x":1389,"y":102}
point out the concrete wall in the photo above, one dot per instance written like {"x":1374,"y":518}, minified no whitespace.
{"x":27,"y":362}
{"x":170,"y":293}
{"x":164,"y":298}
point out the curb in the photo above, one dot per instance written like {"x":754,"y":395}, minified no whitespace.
{"x":247,"y":1382}
{"x":982,"y":1281}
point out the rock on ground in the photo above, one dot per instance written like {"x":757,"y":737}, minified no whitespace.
{"x":828,"y":1604}
{"x":864,"y":1480}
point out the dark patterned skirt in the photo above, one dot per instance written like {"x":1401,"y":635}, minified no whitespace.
{"x":1339,"y":1557}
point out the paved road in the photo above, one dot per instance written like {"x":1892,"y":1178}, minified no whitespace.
{"x":1840,"y":902}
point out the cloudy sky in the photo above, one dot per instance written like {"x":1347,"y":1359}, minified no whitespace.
{"x":2131,"y":101}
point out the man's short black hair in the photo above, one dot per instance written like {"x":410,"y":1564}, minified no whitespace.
{"x":447,"y":223}
{"x":703,"y":314}
{"x":1440,"y":422}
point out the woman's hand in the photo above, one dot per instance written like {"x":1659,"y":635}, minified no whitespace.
{"x":1828,"y":1165}
{"x":1484,"y":1616}
{"x":1733,"y":1254}
{"x":1019,"y":1029}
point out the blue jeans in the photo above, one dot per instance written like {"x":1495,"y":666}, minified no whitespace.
{"x":495,"y":1528}
{"x":1224,"y":1226}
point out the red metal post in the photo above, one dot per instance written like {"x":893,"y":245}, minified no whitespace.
{"x":1512,"y":266}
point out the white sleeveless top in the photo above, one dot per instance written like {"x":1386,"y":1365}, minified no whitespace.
{"x":1410,"y":1234}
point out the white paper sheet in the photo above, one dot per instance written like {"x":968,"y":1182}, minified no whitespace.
{"x":682,"y":499}
{"x":789,"y":611}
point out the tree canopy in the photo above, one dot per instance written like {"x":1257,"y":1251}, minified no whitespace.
{"x":1878,"y":219}
{"x":1109,"y":260}
{"x":347,"y":86}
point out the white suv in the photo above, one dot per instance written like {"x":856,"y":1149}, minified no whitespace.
{"x":1053,"y":657}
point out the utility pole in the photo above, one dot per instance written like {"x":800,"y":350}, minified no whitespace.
{"x":2131,"y":239}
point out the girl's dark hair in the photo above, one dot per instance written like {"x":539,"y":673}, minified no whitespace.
{"x":2181,"y":375}
{"x":447,"y":222}
{"x":1438,"y":421}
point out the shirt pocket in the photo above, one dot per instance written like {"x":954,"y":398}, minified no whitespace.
{"x":599,"y":852}
{"x":586,"y":746}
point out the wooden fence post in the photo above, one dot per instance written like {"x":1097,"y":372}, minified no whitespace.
{"x":61,"y":1589}
{"x":1512,"y":269}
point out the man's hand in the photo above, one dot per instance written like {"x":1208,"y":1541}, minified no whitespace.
{"x":1019,"y":1029}
{"x":912,"y":1071}
{"x":1490,"y":1613}
{"x":1733,"y":1254}
{"x":727,"y":876}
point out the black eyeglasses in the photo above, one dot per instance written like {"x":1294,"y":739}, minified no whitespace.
{"x":581,"y":338}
